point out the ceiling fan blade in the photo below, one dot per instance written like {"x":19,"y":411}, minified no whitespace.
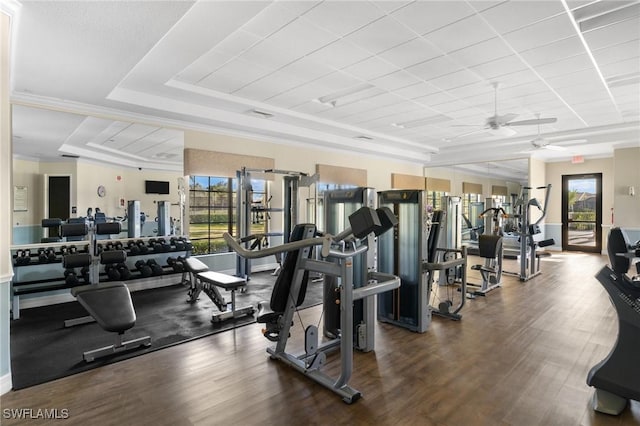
{"x":532,"y":122}
{"x":466,"y":125}
{"x":502,"y":132}
{"x":554,"y":148}
{"x":504,"y":118}
{"x":473,"y":132}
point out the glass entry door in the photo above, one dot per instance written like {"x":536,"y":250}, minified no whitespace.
{"x":582,"y":212}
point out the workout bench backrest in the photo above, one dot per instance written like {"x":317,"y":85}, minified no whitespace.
{"x":280,"y":293}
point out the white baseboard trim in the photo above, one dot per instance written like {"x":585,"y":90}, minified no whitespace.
{"x":6,"y":383}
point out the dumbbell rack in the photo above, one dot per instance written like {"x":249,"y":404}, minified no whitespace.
{"x":46,"y":275}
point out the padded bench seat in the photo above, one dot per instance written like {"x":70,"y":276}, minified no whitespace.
{"x":228,"y":282}
{"x":200,"y":279}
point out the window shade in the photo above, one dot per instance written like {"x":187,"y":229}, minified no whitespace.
{"x":198,"y":162}
{"x":400,"y":181}
{"x":499,"y":190}
{"x":435,"y":184}
{"x":471,"y":188}
{"x":341,"y":175}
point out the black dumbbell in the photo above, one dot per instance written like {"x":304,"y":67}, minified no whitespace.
{"x":42,"y":255}
{"x":86,"y":274}
{"x":119,"y":246}
{"x":70,"y":277}
{"x":133,"y":248}
{"x":51,"y":255}
{"x":109,"y":246}
{"x":125,"y":273}
{"x":187,"y":245}
{"x":142,"y":247}
{"x":112,"y":272}
{"x":155,"y":268}
{"x":143,"y":268}
{"x":179,"y":243}
{"x":176,"y":264}
{"x":25,"y":259}
{"x":64,"y":250}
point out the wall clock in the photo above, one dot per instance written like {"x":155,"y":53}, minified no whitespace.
{"x":101,"y":191}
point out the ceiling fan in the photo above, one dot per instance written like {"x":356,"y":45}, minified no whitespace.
{"x":497,"y":122}
{"x":541,"y":143}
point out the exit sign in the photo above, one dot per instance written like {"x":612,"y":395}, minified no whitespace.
{"x":577,"y":159}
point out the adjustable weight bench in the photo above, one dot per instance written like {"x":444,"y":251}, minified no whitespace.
{"x":201,"y":279}
{"x":111,"y":306}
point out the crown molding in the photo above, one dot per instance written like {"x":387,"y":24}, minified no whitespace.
{"x":10,"y":7}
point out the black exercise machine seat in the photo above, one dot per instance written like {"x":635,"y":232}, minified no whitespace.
{"x":280,"y":294}
{"x":489,"y":246}
{"x":109,"y":304}
{"x":617,"y":377}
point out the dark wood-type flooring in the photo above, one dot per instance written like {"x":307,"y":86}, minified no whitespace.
{"x":520,"y":356}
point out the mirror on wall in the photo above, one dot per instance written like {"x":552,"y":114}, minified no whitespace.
{"x":70,"y":166}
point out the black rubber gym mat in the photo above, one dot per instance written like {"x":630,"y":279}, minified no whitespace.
{"x":43,"y":350}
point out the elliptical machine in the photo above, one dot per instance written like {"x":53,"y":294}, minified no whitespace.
{"x":616,"y":378}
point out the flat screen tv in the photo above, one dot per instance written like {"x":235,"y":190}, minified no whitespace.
{"x":156,"y":187}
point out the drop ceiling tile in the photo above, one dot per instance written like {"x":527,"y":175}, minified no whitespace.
{"x":129,"y":135}
{"x":395,"y":80}
{"x":233,"y":76}
{"x":301,"y":37}
{"x":584,"y":77}
{"x":517,"y":78}
{"x":630,"y":66}
{"x":346,"y":110}
{"x":237,"y":42}
{"x":389,"y":6}
{"x":342,"y":18}
{"x":203,"y":66}
{"x":427,"y":16}
{"x":553,"y":52}
{"x":512,"y":15}
{"x":269,"y":20}
{"x":381,"y":35}
{"x":481,"y":53}
{"x":268,"y":55}
{"x":565,"y":66}
{"x":434,"y":99}
{"x":541,"y":33}
{"x":455,"y":79}
{"x":613,"y":34}
{"x":370,"y":68}
{"x":269,"y":86}
{"x":410,"y":53}
{"x":575,"y":95}
{"x":307,"y":69}
{"x":300,"y":7}
{"x":490,"y":70}
{"x":434,"y":68}
{"x":618,"y":52}
{"x":460,"y":34}
{"x":385,"y":99}
{"x":416,"y":90}
{"x":339,"y":54}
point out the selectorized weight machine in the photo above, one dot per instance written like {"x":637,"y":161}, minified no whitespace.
{"x":412,"y":253}
{"x":338,"y":205}
{"x":529,"y":254}
{"x":336,"y":260}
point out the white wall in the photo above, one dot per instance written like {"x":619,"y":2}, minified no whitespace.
{"x":626,"y":172}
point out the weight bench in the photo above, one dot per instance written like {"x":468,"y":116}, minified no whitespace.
{"x":201,"y":279}
{"x":111,"y":306}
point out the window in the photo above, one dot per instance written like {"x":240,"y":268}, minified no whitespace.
{"x":212,"y":211}
{"x":434,"y":199}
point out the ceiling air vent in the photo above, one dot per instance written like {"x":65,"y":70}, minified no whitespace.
{"x":70,"y":156}
{"x":261,"y":114}
{"x":364,"y":138}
